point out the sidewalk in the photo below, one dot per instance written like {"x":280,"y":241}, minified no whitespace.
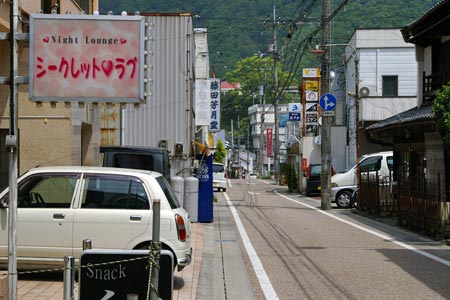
{"x":217,"y":270}
{"x":223,"y":274}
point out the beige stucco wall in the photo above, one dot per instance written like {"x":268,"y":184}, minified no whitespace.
{"x":49,"y":133}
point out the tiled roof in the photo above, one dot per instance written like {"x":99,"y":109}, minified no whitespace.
{"x":428,"y":12}
{"x":414,"y":115}
{"x":228,"y":85}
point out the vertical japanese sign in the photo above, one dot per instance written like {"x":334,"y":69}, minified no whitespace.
{"x":87,"y":58}
{"x":214,"y":125}
{"x":202,"y":103}
{"x":311,"y":88}
{"x":269,"y":144}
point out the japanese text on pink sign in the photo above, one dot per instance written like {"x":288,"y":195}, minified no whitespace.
{"x":86,"y":58}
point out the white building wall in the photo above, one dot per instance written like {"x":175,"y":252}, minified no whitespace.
{"x":381,"y":52}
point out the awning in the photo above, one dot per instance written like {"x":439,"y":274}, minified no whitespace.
{"x":414,"y":115}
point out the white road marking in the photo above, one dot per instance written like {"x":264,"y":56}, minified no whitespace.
{"x":383,"y":236}
{"x":264,"y":281}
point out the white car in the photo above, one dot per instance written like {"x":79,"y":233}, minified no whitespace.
{"x":60,"y":207}
{"x":342,"y":196}
{"x":219,"y":177}
{"x":345,"y":183}
{"x":253,"y":175}
{"x":220,"y":181}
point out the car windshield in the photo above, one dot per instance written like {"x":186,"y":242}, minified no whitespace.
{"x":218,"y":168}
{"x":315,"y":170}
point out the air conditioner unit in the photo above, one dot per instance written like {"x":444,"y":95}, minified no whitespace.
{"x":366,"y":90}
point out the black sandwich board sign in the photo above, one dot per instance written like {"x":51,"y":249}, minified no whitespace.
{"x":122,"y":274}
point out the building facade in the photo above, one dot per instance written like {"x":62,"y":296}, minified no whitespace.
{"x":49,"y":133}
{"x":421,"y":158}
{"x":382,"y":67}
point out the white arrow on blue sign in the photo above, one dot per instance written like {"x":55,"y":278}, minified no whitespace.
{"x":294,"y":116}
{"x":327,"y":102}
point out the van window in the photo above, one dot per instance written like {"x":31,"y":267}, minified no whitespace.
{"x":390,"y":162}
{"x":134,"y":161}
{"x":371,"y":164}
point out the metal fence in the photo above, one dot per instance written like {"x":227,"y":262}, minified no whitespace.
{"x":375,"y":194}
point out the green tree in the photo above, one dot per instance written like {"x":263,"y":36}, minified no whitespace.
{"x":251,"y":73}
{"x":219,"y":154}
{"x":441,"y":109}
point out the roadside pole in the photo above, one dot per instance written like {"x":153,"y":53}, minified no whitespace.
{"x":326,"y":120}
{"x":155,"y":251}
{"x":12,"y":145}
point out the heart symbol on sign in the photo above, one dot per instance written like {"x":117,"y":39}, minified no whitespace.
{"x":123,"y":40}
{"x":46,"y":39}
{"x":107,"y":67}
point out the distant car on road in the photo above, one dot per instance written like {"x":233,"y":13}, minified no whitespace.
{"x":60,"y":207}
{"x":219,"y":177}
{"x":313,"y":179}
{"x":253,"y":175}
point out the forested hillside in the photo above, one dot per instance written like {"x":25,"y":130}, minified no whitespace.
{"x":236,"y":28}
{"x":239,"y":29}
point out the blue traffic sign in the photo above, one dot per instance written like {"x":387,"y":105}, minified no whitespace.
{"x":327,"y":102}
{"x":294,"y":116}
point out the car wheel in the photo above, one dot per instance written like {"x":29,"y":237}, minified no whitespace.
{"x":344,"y":199}
{"x":224,"y":190}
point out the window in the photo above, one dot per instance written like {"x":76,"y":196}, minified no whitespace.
{"x":114,"y":192}
{"x":47,"y":191}
{"x":134,"y":161}
{"x":84,"y":4}
{"x":168,"y":191}
{"x":217,"y":167}
{"x":390,"y":162}
{"x":390,"y":86}
{"x":371,"y":164}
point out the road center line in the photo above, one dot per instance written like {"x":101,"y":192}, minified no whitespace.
{"x":264,"y":281}
{"x":383,"y":236}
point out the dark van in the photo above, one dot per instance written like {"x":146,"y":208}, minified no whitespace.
{"x":135,"y":157}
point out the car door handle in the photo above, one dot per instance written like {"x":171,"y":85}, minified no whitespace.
{"x":135,"y":218}
{"x":59,"y":216}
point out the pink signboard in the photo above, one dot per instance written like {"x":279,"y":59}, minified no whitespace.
{"x":269,"y":144}
{"x":87,"y":58}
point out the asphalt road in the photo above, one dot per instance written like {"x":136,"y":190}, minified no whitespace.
{"x":302,"y":252}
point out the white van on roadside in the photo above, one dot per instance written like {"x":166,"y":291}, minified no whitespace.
{"x":343,"y":184}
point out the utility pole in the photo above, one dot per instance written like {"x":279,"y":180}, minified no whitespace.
{"x":275,"y":103}
{"x":12,"y":146}
{"x":233,"y":154}
{"x":239,"y":147}
{"x":274,"y":50}
{"x":326,"y":120}
{"x":261,"y":143}
{"x":262,"y":93}
{"x":248,"y":148}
